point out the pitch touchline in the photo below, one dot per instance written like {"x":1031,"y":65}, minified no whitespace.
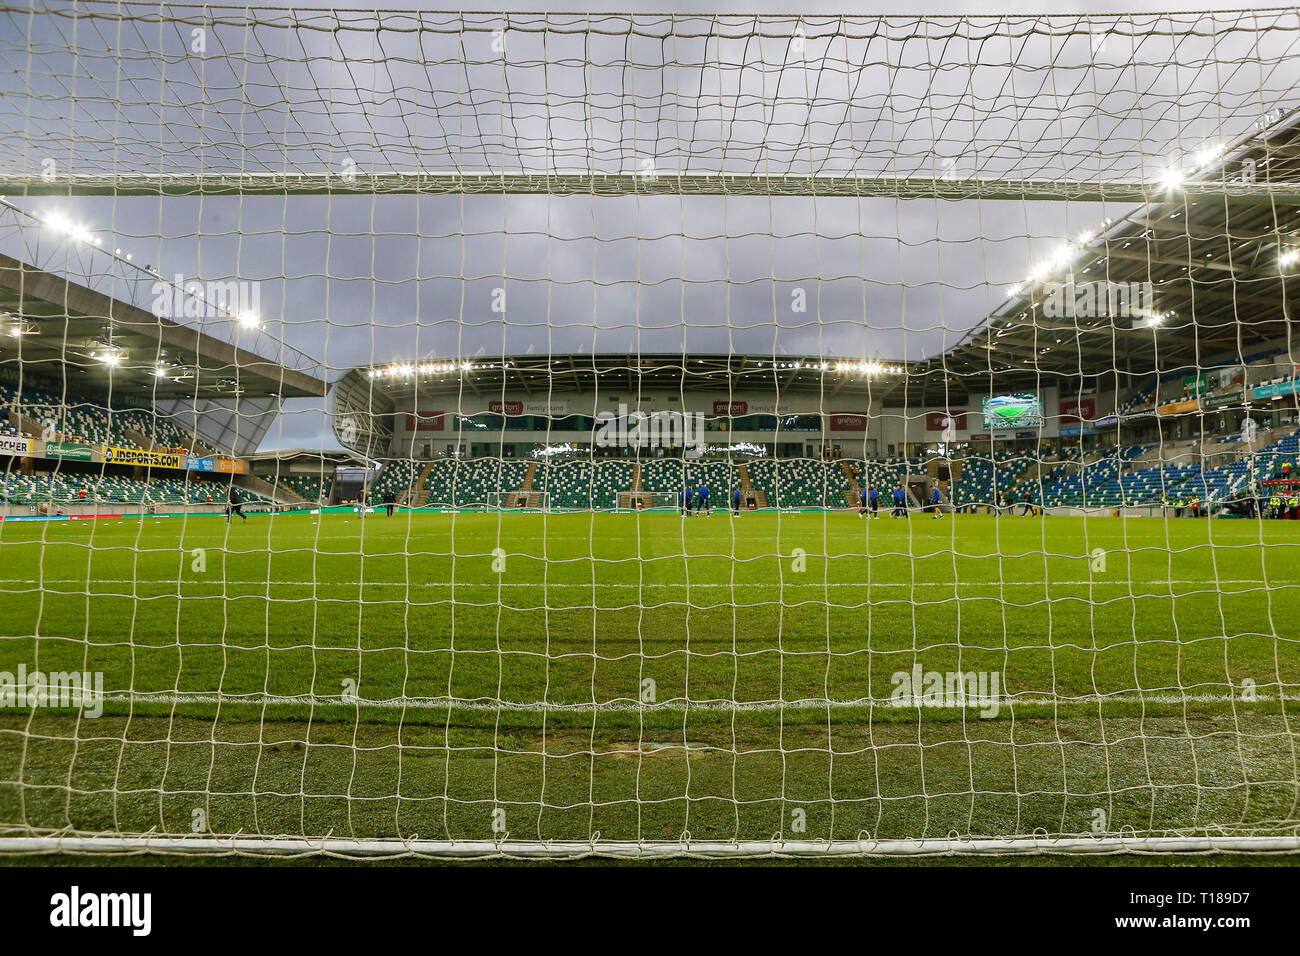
{"x":492,"y":706}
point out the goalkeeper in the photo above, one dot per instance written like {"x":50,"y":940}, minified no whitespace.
{"x":234,"y":505}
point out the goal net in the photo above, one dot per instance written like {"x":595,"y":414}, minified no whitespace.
{"x":650,"y":500}
{"x":332,"y":343}
{"x":519,"y":500}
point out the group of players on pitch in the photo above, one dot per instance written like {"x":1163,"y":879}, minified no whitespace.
{"x":695,"y":501}
{"x":869,"y":506}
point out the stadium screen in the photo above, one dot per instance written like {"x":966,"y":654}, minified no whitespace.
{"x":1020,"y":410}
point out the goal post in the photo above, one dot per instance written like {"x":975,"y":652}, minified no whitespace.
{"x":648,"y":501}
{"x":491,"y":282}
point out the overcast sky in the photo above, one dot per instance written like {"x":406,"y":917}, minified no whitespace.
{"x":359,"y":280}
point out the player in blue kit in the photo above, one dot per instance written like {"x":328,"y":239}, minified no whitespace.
{"x":900,"y":503}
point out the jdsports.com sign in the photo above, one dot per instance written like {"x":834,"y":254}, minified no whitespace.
{"x":138,"y":456}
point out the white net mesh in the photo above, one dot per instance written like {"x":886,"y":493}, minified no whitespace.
{"x":743,"y":435}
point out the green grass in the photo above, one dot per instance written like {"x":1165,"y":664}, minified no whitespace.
{"x":224,"y":683}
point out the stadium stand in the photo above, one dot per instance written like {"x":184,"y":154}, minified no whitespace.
{"x":307,"y":487}
{"x":61,"y":488}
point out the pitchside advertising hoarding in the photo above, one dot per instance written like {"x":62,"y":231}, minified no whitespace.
{"x":150,"y":459}
{"x":1278,"y":388}
{"x":736,"y":409}
{"x":68,"y":451}
{"x":228,"y":466}
{"x":426,"y":422}
{"x":1075,"y":410}
{"x":179,"y":461}
{"x":945,"y":421}
{"x":848,"y":422}
{"x":1177,"y":408}
{"x":19,"y":447}
{"x":528,"y":408}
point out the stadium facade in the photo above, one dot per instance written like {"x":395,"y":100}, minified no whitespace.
{"x":619,"y":431}
{"x":790,"y":407}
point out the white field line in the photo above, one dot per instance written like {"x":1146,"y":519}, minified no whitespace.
{"x":786,"y":582}
{"x":677,"y":704}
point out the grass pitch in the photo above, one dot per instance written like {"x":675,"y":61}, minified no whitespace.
{"x":646,"y":676}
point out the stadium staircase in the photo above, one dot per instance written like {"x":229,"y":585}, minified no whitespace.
{"x":287,"y":495}
{"x":313,"y":489}
{"x":854,"y":493}
{"x":26,"y":425}
{"x":263,"y":489}
{"x":422,"y":483}
{"x":627,"y":499}
{"x":532,"y":498}
{"x":747,"y":489}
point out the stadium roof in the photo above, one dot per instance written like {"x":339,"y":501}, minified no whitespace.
{"x":1223,"y":276}
{"x":537,"y":374}
{"x":1216,"y":273}
{"x":48,"y":319}
{"x":315,"y":454}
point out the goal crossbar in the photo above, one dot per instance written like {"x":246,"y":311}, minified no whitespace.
{"x":634,"y":184}
{"x":705,"y":849}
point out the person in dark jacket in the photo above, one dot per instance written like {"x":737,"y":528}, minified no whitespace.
{"x":234,"y":505}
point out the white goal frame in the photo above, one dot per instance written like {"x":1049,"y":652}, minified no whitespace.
{"x":509,"y":500}
{"x":161,"y":844}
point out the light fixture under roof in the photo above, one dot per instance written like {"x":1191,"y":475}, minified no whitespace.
{"x":1172,"y":178}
